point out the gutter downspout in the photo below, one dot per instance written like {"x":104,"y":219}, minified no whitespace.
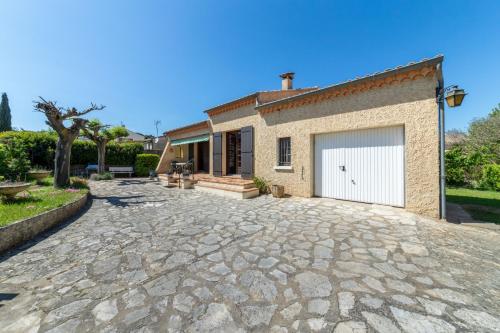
{"x":442,"y":169}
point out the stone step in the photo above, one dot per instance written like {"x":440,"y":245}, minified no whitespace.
{"x":222,"y":189}
{"x":226,"y":186}
{"x":245,"y":183}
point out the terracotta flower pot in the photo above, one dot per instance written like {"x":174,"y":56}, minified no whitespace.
{"x":278,"y":191}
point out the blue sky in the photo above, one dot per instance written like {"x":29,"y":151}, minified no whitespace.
{"x":169,"y":61}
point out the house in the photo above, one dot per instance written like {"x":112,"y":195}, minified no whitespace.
{"x":372,"y":139}
{"x":132,"y":137}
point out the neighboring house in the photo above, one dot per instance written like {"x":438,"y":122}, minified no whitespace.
{"x":132,"y":137}
{"x":373,"y":139}
{"x":155,"y":145}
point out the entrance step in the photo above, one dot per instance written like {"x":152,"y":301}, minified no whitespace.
{"x":242,"y":193}
{"x":233,"y":187}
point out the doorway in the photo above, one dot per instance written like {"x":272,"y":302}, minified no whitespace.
{"x":203,"y":157}
{"x":233,"y":153}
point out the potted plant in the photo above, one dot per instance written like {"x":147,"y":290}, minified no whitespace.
{"x":14,"y":164}
{"x":278,"y":191}
{"x":10,"y":189}
{"x":38,"y":173}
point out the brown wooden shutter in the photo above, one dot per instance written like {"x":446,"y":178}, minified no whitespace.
{"x":217,"y":154}
{"x":247,"y":152}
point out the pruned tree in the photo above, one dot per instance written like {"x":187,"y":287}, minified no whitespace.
{"x":5,"y":116}
{"x":101,"y":135}
{"x":67,"y":123}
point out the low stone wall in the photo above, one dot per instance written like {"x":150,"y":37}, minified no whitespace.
{"x":19,"y":232}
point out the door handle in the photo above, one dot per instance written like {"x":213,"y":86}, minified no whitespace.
{"x":342,"y":167}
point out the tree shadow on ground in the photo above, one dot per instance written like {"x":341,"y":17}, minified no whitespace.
{"x":20,"y":200}
{"x":122,"y":201}
{"x":124,"y":182}
{"x":6,"y":297}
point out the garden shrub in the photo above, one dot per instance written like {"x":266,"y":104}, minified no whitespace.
{"x":40,"y":148}
{"x":3,"y":161}
{"x":144,"y":163}
{"x":261,"y":184}
{"x":455,"y":164}
{"x":123,"y":154}
{"x":101,"y":176}
{"x":15,"y":164}
{"x":79,"y":183}
{"x":83,"y":152}
{"x":491,"y":177}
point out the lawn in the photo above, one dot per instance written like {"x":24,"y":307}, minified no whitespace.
{"x":481,"y":205}
{"x":38,"y":199}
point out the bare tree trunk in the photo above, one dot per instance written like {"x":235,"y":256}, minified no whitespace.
{"x":62,"y":163}
{"x":101,"y":156}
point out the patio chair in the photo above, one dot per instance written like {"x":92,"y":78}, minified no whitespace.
{"x":188,"y":168}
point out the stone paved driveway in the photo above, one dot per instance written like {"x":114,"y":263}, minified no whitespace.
{"x":145,"y":258}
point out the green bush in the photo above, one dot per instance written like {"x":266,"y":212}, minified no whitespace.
{"x":491,"y":177}
{"x":122,"y":153}
{"x":15,"y":164}
{"x":261,"y":184}
{"x":83,"y":152}
{"x":3,"y":161}
{"x":101,"y":176}
{"x":79,"y":183}
{"x":455,"y":165}
{"x":41,"y":146}
{"x":144,"y":163}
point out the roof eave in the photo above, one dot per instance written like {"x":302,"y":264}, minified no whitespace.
{"x":400,"y":69}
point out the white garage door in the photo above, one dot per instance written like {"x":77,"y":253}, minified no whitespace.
{"x":365,"y":165}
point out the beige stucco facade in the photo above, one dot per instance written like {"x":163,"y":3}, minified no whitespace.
{"x":405,"y":96}
{"x":411,"y":104}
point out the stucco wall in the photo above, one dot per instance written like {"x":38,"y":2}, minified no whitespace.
{"x":168,"y":154}
{"x":411,"y":103}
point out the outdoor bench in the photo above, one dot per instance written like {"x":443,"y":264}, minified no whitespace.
{"x":124,"y":170}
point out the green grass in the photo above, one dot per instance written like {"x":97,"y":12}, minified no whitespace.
{"x":38,"y":199}
{"x":481,"y":205}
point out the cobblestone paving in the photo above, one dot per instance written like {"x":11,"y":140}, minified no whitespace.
{"x":144,"y":258}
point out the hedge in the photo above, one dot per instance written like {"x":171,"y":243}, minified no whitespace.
{"x":144,"y":163}
{"x":473,"y":169}
{"x":41,"y":147}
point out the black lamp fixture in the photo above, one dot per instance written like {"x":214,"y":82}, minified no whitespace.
{"x":454,"y":96}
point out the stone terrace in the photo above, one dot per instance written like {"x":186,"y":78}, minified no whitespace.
{"x":144,"y":258}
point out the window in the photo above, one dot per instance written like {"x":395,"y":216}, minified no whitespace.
{"x":284,"y":152}
{"x":179,"y":152}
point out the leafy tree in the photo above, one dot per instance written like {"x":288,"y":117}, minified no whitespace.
{"x":485,"y":132}
{"x":5,"y":117}
{"x":101,"y":135}
{"x":57,"y":117}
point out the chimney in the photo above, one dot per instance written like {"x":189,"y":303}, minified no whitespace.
{"x":286,"y":81}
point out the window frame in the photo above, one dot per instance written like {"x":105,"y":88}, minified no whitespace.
{"x":179,"y":152}
{"x":284,"y":151}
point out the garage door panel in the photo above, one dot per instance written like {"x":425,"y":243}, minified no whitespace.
{"x":329,"y":155}
{"x":374,"y":165}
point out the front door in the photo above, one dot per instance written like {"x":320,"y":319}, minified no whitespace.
{"x":233,"y":157}
{"x":203,"y":156}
